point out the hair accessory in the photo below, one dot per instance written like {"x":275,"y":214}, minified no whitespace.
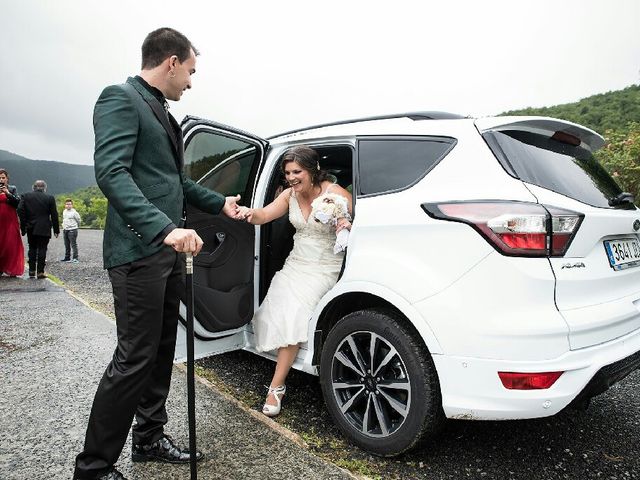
{"x":318,"y":165}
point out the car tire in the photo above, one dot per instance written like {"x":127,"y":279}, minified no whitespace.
{"x":388,"y":402}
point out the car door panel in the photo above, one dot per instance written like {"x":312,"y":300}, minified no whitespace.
{"x":225,"y":160}
{"x":223,"y":271}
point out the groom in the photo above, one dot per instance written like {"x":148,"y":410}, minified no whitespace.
{"x":139,"y":168}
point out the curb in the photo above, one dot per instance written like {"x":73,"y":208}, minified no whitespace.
{"x":285,"y":432}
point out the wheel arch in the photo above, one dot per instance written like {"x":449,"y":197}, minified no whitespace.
{"x":352,"y":298}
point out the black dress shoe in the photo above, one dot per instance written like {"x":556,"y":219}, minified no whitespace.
{"x":163,"y":450}
{"x":112,"y":474}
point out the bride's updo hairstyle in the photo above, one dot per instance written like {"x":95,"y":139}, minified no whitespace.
{"x":308,"y":159}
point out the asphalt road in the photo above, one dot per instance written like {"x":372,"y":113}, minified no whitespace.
{"x":53,"y":351}
{"x":603,"y":442}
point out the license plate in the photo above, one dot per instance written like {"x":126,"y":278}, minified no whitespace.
{"x":623,"y":253}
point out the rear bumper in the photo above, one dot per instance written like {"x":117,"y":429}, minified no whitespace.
{"x":609,"y":375}
{"x":594,"y":324}
{"x":471,"y":388}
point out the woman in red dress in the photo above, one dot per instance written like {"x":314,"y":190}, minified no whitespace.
{"x":11,"y":248}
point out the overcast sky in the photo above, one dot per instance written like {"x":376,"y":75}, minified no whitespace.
{"x":271,"y":66}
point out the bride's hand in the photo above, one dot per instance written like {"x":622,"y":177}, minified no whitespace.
{"x":245,"y":213}
{"x":343,"y":223}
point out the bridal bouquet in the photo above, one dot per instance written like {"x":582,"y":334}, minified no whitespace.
{"x":328,"y":209}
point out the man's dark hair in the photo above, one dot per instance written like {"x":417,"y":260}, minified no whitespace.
{"x":163,"y":43}
{"x":68,"y":200}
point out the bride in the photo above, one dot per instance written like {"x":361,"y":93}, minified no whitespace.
{"x":310,"y":270}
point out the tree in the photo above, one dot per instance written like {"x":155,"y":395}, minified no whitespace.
{"x":90,"y":204}
{"x":621,"y":157}
{"x":98,"y":208}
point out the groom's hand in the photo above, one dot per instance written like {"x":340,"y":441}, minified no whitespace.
{"x":231,"y":208}
{"x":184,"y":240}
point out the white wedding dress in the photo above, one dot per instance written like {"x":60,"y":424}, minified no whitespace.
{"x":310,"y":270}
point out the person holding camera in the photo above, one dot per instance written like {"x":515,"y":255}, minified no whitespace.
{"x":11,"y":249}
{"x":38,"y":215}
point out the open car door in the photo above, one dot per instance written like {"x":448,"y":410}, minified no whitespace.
{"x":227,"y":161}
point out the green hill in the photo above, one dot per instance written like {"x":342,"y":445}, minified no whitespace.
{"x":60,"y":177}
{"x":616,"y":116}
{"x":606,"y":111}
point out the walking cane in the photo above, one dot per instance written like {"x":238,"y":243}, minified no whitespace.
{"x":191,"y":388}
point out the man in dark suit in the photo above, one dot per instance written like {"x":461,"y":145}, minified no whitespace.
{"x":139,"y":167}
{"x":38,"y":215}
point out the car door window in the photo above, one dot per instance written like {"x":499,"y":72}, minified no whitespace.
{"x":223,"y":164}
{"x":386,"y":165}
{"x":551,"y":163}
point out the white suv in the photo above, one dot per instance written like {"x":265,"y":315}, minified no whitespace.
{"x":492,"y":272}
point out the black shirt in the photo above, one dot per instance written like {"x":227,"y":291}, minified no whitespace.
{"x":153,"y":91}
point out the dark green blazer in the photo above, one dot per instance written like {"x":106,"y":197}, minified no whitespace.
{"x":138,"y":165}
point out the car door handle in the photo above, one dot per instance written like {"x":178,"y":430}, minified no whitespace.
{"x":220,"y":238}
{"x":219,"y":249}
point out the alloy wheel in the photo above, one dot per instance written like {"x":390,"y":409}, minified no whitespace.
{"x":370,"y":383}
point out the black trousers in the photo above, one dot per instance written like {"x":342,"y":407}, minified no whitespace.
{"x":37,"y":252}
{"x":70,"y":243}
{"x":136,"y":381}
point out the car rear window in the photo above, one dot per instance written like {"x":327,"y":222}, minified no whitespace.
{"x":388,"y":165}
{"x":552,"y":164}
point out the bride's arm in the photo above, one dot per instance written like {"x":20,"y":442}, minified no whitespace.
{"x":337,"y":189}
{"x":276,"y":209}
{"x":343,"y":223}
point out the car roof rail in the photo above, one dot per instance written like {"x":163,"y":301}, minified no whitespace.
{"x":411,"y":115}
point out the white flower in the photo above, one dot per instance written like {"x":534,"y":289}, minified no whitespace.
{"x":328,"y":208}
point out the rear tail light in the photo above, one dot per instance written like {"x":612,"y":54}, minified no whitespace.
{"x":564,"y":224}
{"x":514,"y":228}
{"x":528,"y":381}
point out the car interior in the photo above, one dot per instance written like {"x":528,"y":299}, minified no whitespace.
{"x":277,"y":236}
{"x":223,"y":271}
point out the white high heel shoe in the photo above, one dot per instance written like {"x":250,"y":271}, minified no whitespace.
{"x":278,"y":393}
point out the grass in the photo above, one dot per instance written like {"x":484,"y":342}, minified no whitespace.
{"x":248,"y":398}
{"x":337,"y":451}
{"x":55,"y":279}
{"x":358,"y":466}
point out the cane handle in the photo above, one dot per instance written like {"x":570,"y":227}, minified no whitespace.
{"x":189,"y":260}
